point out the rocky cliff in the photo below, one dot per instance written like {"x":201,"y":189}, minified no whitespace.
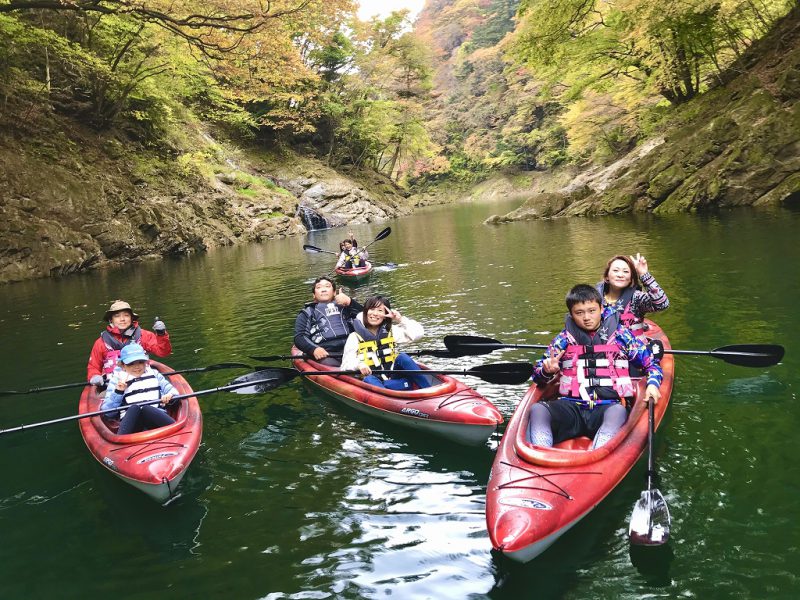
{"x":738,"y":144}
{"x":72,"y":199}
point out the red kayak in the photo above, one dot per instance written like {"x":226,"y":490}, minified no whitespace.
{"x":536,"y":494}
{"x":448,"y":408}
{"x":356,"y":273}
{"x":152,"y":461}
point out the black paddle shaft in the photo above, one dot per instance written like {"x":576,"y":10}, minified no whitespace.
{"x":651,"y":426}
{"x":224,"y":388}
{"x":744,"y":355}
{"x":65,"y":386}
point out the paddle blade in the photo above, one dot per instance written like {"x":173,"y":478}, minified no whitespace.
{"x":650,"y":521}
{"x":750,"y":355}
{"x":383,"y":234}
{"x":313,"y":249}
{"x":263,"y":380}
{"x":505,"y":373}
{"x":471,"y":345}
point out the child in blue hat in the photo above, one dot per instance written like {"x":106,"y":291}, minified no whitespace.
{"x":134,"y":381}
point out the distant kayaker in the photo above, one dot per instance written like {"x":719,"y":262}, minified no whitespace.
{"x":123,"y":329}
{"x":351,"y":256}
{"x":323,"y":325}
{"x":592,"y":355}
{"x":372,"y":345}
{"x":622,"y":293}
{"x":135,"y":381}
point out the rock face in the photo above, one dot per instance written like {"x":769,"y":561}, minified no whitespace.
{"x":737,"y":145}
{"x":64,"y":212}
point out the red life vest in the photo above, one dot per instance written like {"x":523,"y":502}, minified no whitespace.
{"x":114,"y":346}
{"x":594,"y":371}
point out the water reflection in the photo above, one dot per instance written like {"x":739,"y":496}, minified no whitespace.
{"x":293,"y":496}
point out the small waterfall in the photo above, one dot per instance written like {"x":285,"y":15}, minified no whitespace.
{"x":311,"y":218}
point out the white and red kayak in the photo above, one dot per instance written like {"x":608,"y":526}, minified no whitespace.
{"x":448,"y":408}
{"x":355,"y":273}
{"x":152,"y":461}
{"x":537,"y":494}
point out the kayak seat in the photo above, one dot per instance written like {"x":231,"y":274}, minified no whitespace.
{"x":578,"y":443}
{"x":432,"y":381}
{"x":575,"y":451}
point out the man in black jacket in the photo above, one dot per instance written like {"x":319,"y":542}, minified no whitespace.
{"x":323,"y":325}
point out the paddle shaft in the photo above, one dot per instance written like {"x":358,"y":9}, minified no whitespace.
{"x":651,"y":426}
{"x":739,"y":354}
{"x":383,"y":234}
{"x":717,"y":352}
{"x":119,"y":408}
{"x":440,"y":353}
{"x":65,"y":386}
{"x":405,"y":372}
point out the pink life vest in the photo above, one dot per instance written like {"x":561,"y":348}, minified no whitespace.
{"x":594,"y":371}
{"x":114,"y":346}
{"x":626,"y":316}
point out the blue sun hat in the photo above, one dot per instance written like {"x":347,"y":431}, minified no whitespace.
{"x":132,"y":352}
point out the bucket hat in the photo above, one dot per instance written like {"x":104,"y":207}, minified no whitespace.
{"x":117,"y":306}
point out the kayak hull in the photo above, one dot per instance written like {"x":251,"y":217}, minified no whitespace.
{"x":152,"y":461}
{"x":536,"y":494}
{"x":449,"y":409}
{"x":356,"y":274}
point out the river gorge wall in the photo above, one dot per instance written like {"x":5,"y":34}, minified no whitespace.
{"x":72,"y":199}
{"x":736,"y":145}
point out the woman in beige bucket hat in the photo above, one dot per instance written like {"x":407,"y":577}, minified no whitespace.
{"x":123,"y":328}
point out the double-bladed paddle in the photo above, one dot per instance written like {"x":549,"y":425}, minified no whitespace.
{"x":313,"y":249}
{"x":267,"y":379}
{"x":650,"y":521}
{"x":745,"y":355}
{"x":438,"y":353}
{"x":233,"y":385}
{"x":65,"y":386}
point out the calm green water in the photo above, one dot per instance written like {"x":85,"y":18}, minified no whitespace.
{"x":291,"y":496}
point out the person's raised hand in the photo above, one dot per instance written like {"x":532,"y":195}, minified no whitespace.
{"x":640,"y":262}
{"x":122,"y":381}
{"x":552,"y":364}
{"x":341,"y":298}
{"x":159,"y":327}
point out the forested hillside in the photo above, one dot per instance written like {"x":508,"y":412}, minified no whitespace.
{"x":130,"y":129}
{"x":534,"y":85}
{"x":134,"y":129}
